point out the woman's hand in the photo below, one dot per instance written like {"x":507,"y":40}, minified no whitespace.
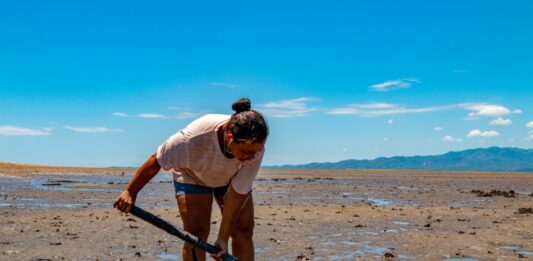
{"x":223,"y":245}
{"x":125,"y":201}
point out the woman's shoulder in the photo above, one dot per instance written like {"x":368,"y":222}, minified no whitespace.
{"x":206,"y":123}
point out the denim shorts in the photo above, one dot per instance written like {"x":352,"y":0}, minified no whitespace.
{"x":185,"y":189}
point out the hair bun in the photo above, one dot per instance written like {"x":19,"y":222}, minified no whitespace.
{"x":241,"y":105}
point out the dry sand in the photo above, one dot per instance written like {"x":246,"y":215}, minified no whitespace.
{"x":300,"y":215}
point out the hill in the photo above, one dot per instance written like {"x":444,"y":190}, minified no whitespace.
{"x":482,"y":159}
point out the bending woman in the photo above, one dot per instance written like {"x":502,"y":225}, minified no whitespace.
{"x":216,"y":156}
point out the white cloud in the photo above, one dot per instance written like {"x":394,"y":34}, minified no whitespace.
{"x":151,"y":116}
{"x":21,"y":131}
{"x":377,"y":105}
{"x":438,"y":128}
{"x":394,"y":85}
{"x":120,"y":114}
{"x":287,"y":108}
{"x":380,"y":109}
{"x":186,"y":115}
{"x":223,"y":84}
{"x":390,"y":121}
{"x":386,"y":139}
{"x":450,"y":138}
{"x":344,"y":149}
{"x":91,"y":129}
{"x":484,"y":134}
{"x":530,"y":124}
{"x":517,"y":111}
{"x":141,"y":115}
{"x":491,"y":110}
{"x":178,"y":108}
{"x":501,"y":122}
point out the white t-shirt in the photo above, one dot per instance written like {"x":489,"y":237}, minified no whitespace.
{"x":194,"y":156}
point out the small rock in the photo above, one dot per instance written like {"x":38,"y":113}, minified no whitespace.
{"x":274,"y":240}
{"x":525,"y":211}
{"x":138,"y":254}
{"x":302,"y":257}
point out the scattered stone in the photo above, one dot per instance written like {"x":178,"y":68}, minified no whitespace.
{"x":138,"y":254}
{"x":388,"y":255}
{"x":493,"y":193}
{"x":428,"y":225}
{"x":303,"y":257}
{"x":56,"y":243}
{"x":133,"y":227}
{"x":273,"y":240}
{"x":51,"y":184}
{"x":525,"y":211}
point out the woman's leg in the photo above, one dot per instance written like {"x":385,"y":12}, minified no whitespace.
{"x":195,"y":211}
{"x":242,"y":244}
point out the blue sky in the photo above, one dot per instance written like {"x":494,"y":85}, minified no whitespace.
{"x":103,"y":83}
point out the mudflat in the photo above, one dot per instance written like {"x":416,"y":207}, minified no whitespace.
{"x":66,"y":214}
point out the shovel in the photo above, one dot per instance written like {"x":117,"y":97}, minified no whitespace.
{"x":185,"y":236}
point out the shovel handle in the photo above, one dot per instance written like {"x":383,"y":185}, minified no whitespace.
{"x":187,"y":237}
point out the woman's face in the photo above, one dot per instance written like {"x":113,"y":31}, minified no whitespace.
{"x":246,"y":151}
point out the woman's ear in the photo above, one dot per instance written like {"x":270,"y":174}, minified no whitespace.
{"x":229,"y":137}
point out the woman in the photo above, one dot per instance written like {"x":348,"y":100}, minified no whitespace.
{"x":216,"y":156}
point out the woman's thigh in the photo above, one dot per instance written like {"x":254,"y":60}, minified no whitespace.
{"x":245,"y":220}
{"x":195,"y":211}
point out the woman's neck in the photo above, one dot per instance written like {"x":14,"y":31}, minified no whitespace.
{"x":223,"y":144}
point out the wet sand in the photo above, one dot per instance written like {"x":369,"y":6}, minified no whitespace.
{"x":300,"y":215}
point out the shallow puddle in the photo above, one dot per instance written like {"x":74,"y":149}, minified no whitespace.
{"x":167,"y":256}
{"x":402,"y":223}
{"x":462,"y":259}
{"x":517,"y":249}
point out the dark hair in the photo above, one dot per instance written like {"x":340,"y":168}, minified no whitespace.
{"x":245,"y":124}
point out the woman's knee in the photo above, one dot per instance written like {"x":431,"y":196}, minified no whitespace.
{"x":198,"y":230}
{"x":243,"y":229}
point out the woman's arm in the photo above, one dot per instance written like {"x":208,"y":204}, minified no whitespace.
{"x":144,"y":174}
{"x":233,"y":203}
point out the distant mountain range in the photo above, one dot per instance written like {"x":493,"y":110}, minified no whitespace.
{"x":484,"y":159}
